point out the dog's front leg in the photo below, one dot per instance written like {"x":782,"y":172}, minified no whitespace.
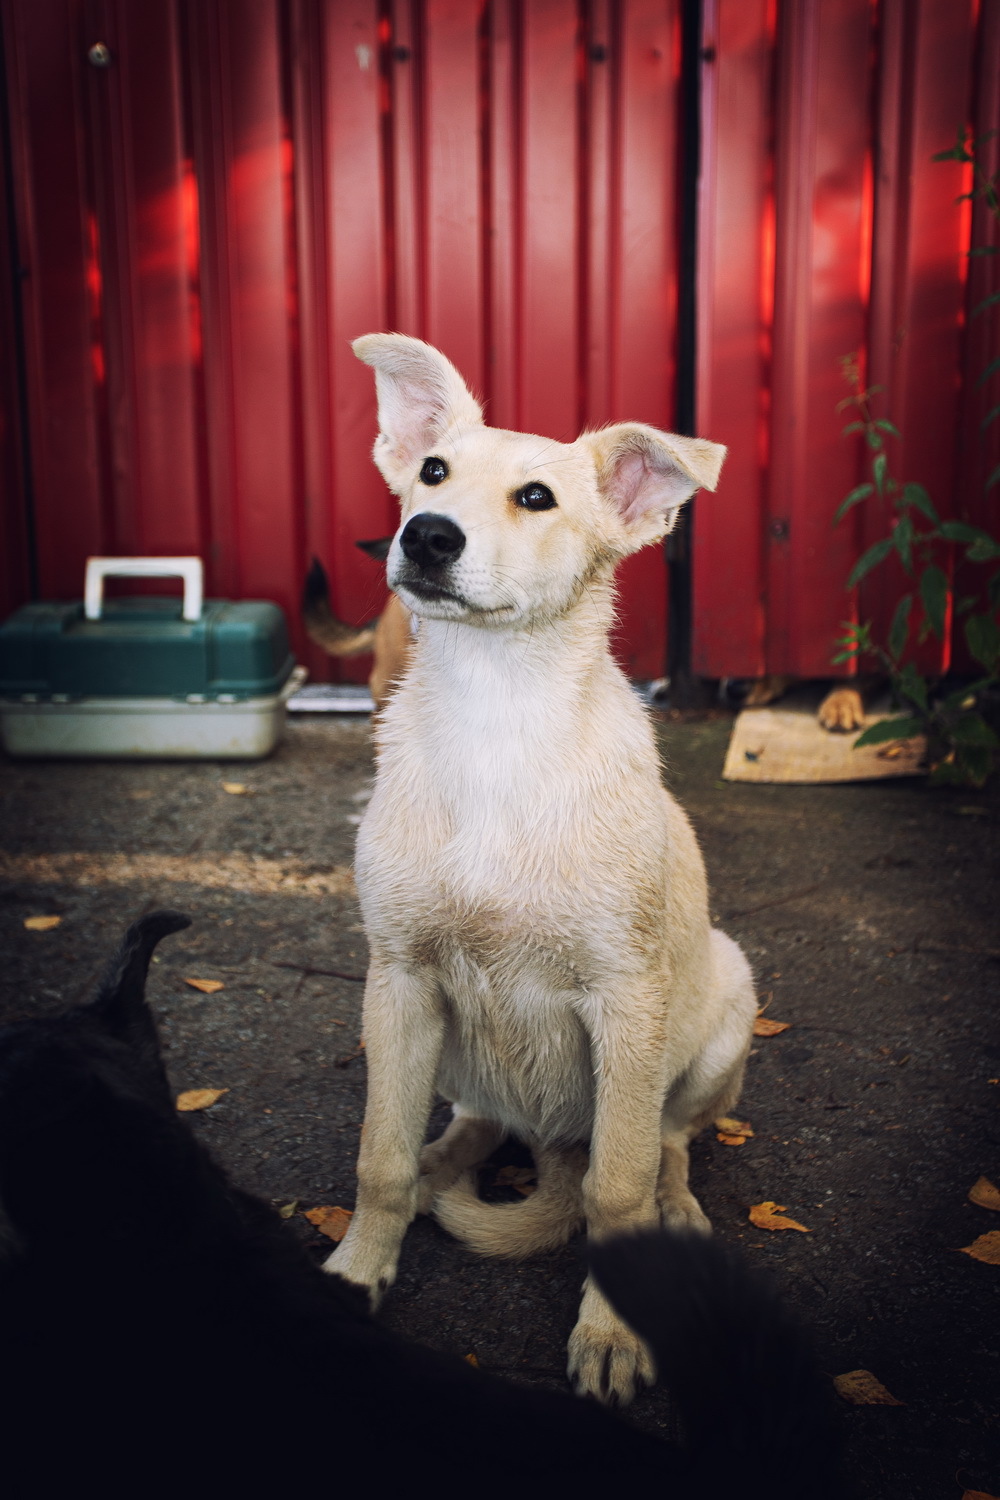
{"x":606,"y":1359}
{"x":404,"y":1028}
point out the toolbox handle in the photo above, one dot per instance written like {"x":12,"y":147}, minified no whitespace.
{"x":189,"y":568}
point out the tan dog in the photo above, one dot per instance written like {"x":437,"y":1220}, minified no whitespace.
{"x":535,"y":902}
{"x":389,"y":638}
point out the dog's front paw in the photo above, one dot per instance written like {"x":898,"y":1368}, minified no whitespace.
{"x":606,"y":1359}
{"x":608,"y":1362}
{"x":842,"y":711}
{"x":363,"y":1265}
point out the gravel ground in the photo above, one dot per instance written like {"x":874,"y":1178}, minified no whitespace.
{"x":868,"y":911}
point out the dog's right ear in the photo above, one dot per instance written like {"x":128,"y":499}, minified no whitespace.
{"x":421,"y":397}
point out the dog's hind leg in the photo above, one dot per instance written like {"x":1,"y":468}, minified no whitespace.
{"x":466,"y":1142}
{"x":709,"y":1088}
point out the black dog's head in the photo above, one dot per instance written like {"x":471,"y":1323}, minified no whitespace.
{"x":80,"y":1096}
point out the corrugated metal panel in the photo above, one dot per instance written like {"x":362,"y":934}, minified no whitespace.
{"x":207,"y":223}
{"x":210,"y":219}
{"x":826,"y":229}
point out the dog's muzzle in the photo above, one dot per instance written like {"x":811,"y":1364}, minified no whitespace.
{"x":431,"y":541}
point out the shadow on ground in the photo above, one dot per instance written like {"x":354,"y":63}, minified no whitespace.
{"x":869,"y":913}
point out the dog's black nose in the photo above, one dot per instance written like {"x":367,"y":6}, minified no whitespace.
{"x":429,"y":540}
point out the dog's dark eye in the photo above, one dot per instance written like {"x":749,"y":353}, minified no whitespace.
{"x":434,"y":471}
{"x":535,"y":497}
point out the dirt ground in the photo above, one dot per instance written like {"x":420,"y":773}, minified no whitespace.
{"x":868,"y":911}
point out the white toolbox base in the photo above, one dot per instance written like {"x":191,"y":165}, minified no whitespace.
{"x":146,"y":728}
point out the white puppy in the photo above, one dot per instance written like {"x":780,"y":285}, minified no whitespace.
{"x":535,"y":902}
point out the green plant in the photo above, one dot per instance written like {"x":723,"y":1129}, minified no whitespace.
{"x":961,"y":745}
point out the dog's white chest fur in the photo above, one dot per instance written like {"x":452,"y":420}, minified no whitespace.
{"x":509,"y":848}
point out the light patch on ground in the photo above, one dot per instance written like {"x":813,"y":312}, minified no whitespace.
{"x":229,"y":872}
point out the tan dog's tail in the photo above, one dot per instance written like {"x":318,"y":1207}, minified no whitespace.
{"x":322,"y":625}
{"x":543,"y":1221}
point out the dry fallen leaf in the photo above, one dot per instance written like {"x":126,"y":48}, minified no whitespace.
{"x":977,"y":1494}
{"x":769,"y":1215}
{"x":207,"y":986}
{"x":764,"y":1027}
{"x":237,"y":789}
{"x":470,"y":1359}
{"x":523,"y":1180}
{"x":860,"y":1388}
{"x":287,"y":1209}
{"x":199,"y":1098}
{"x":41,"y":924}
{"x":732,"y":1132}
{"x":985,"y":1194}
{"x":986,"y":1248}
{"x":332,"y":1222}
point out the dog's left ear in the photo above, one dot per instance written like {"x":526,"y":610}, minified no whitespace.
{"x":646,"y":476}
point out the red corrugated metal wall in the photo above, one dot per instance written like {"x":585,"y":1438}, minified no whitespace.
{"x":827,"y":228}
{"x":204,"y":224}
{"x":208,"y":221}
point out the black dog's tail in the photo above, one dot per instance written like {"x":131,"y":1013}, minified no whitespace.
{"x":120,"y":999}
{"x":755,"y":1410}
{"x":322,"y":625}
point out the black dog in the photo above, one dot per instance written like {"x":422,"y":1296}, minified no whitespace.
{"x":161,"y":1332}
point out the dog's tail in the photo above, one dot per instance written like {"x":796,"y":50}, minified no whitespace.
{"x":751,"y":1400}
{"x":120,"y":1000}
{"x":322,"y":625}
{"x":545,"y":1219}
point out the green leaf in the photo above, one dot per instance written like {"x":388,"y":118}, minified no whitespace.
{"x":868,"y":560}
{"x":984,"y":550}
{"x":961,"y":531}
{"x":984,"y":250}
{"x":899,"y":630}
{"x":856,"y":495}
{"x":890,"y":729}
{"x":917,"y":496}
{"x":990,"y":416}
{"x":852,"y":426}
{"x":934,"y":597}
{"x":873,"y":439}
{"x":990,"y":301}
{"x":982,"y":636}
{"x":878,"y":471}
{"x":991,"y":369}
{"x":912,"y":686}
{"x":972,"y":729}
{"x":902,"y":540}
{"x":993,"y":478}
{"x":887,"y":427}
{"x":976,"y":763}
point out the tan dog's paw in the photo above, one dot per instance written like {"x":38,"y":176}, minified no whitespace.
{"x":842,"y":711}
{"x":363,"y":1265}
{"x":607,"y":1360}
{"x":683,"y":1211}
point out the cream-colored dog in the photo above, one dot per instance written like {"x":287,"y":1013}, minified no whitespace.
{"x":535,"y":902}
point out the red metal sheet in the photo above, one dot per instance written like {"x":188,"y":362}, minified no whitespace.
{"x":866,"y":258}
{"x":822,"y":139}
{"x":210,"y":221}
{"x":61,"y":290}
{"x":735,"y":295}
{"x":920,"y":265}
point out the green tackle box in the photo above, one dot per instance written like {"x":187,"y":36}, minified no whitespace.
{"x":145,"y":676}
